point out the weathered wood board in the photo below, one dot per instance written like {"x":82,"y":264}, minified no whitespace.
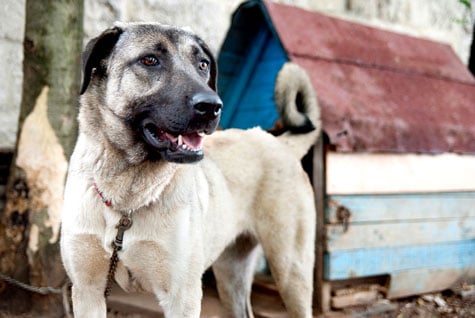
{"x":423,"y":241}
{"x":250,"y":102}
{"x":388,"y":235}
{"x":363,"y":173}
{"x":402,"y":207}
{"x":389,"y":260}
{"x":423,"y":280}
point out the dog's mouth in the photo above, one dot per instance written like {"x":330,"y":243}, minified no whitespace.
{"x":180,"y":148}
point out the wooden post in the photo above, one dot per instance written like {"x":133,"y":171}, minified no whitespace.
{"x":321,"y":301}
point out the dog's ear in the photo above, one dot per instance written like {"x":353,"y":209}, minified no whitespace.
{"x":213,"y":78}
{"x":95,"y":52}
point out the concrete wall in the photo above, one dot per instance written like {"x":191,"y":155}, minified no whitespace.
{"x":208,"y":18}
{"x":434,"y":19}
{"x":12,"y":28}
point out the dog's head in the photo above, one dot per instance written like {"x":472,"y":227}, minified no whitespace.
{"x":155,"y":87}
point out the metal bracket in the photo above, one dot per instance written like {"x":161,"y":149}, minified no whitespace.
{"x":343,"y":215}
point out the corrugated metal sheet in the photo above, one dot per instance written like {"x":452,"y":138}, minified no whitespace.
{"x":380,"y":91}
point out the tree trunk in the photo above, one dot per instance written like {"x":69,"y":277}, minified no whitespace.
{"x":29,"y":224}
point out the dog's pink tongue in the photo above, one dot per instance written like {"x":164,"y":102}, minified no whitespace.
{"x":193,"y":140}
{"x":171,"y":137}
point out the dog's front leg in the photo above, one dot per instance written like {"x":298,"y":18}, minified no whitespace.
{"x":185,"y":301}
{"x":86,"y":263}
{"x":88,"y":302}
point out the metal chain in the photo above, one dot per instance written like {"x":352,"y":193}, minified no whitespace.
{"x":125,"y":223}
{"x":110,"y":276}
{"x":33,"y":289}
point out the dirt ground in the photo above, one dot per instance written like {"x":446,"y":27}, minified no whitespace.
{"x":267,"y":304}
{"x":438,"y":305}
{"x":428,"y":306}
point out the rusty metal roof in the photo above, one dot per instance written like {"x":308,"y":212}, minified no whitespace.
{"x":380,"y":91}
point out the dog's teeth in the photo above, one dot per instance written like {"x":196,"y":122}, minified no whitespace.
{"x":201,"y":134}
{"x":180,"y":140}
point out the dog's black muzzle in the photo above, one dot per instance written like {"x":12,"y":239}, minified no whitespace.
{"x":176,"y":133}
{"x":207,"y":105}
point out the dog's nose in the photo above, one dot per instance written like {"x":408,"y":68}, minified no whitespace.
{"x":207,"y":104}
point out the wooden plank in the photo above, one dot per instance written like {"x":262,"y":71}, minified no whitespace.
{"x":424,"y":280}
{"x":325,"y":301}
{"x":321,"y":295}
{"x":387,"y":235}
{"x":397,"y":207}
{"x":356,"y":298}
{"x":236,"y":88}
{"x":379,"y":261}
{"x":363,"y":173}
{"x":359,"y":298}
{"x":256,"y":106}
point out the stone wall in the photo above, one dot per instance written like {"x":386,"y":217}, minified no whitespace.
{"x":433,"y":19}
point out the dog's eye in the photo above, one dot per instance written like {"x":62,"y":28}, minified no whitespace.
{"x":203,"y":65}
{"x":149,"y":61}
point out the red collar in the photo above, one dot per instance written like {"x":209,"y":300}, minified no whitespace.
{"x":106,"y":201}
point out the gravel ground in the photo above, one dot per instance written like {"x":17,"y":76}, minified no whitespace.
{"x":438,"y":305}
{"x":267,"y":305}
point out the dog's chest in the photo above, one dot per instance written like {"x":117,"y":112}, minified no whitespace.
{"x":155,"y":245}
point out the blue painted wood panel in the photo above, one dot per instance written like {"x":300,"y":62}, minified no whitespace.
{"x":399,"y":207}
{"x":402,"y":235}
{"x":247,"y":89}
{"x":242,"y":73}
{"x":370,"y":235}
{"x":380,"y":261}
{"x":426,"y":279}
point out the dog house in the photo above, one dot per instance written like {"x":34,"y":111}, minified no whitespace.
{"x":394,"y":176}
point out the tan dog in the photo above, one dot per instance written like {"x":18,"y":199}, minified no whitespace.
{"x":148,"y":99}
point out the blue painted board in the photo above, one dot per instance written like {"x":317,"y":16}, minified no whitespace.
{"x":232,"y":94}
{"x":400,"y":207}
{"x":371,"y":235}
{"x":249,"y":61}
{"x":379,"y":261}
{"x":423,"y":280}
{"x":249,"y":101}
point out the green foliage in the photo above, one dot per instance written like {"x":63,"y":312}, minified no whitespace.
{"x":466,"y":3}
{"x":467,"y":18}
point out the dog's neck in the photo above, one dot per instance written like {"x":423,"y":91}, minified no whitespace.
{"x":129,"y":187}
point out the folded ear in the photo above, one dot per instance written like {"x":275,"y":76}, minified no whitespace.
{"x":97,"y":50}
{"x":213,"y":78}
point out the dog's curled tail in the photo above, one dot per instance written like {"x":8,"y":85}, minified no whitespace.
{"x":298,"y":107}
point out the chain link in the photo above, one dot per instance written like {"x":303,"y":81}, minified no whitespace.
{"x":33,"y":289}
{"x":112,"y":267}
